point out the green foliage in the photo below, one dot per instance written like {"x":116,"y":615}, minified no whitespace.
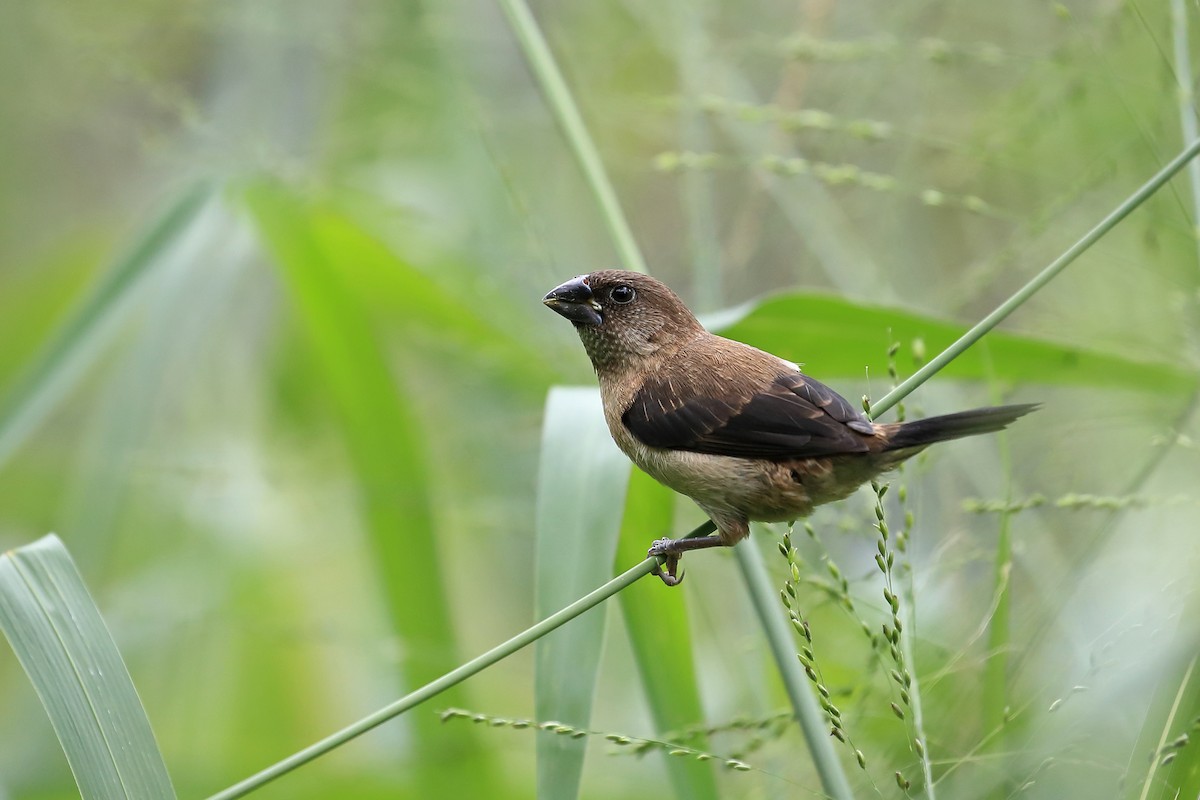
{"x":274,"y":366}
{"x":383,"y":438}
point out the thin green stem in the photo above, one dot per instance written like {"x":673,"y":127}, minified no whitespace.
{"x":1166,"y":730}
{"x":452,"y":678}
{"x":1029,"y":289}
{"x":1187,"y":100}
{"x":558,"y":96}
{"x":766,"y":603}
{"x":914,"y":689}
{"x":995,"y":669}
{"x":996,"y":664}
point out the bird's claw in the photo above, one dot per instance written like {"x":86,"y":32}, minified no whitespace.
{"x":661,"y":548}
{"x":668,"y":576}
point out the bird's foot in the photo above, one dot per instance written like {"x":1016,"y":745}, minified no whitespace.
{"x":670,"y":551}
{"x":662,"y":548}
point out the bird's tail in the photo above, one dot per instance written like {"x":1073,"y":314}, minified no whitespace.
{"x":921,"y":432}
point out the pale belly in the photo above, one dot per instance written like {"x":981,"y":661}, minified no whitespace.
{"x":734,"y":491}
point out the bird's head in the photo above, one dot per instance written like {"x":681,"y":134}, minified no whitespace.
{"x":623,"y":316}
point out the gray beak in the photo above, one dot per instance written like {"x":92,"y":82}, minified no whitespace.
{"x":574,"y":300}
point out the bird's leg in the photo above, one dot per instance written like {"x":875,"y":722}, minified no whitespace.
{"x":672,"y":549}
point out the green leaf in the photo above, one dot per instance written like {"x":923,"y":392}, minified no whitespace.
{"x":58,"y":635}
{"x":580,"y":490}
{"x":833,"y":337}
{"x":385,"y":443}
{"x":656,"y":619}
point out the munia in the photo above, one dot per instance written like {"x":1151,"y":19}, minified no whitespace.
{"x":743,"y":433}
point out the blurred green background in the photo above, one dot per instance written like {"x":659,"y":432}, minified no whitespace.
{"x":274,"y":360}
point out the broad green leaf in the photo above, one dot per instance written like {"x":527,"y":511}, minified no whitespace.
{"x":62,"y":642}
{"x":67,"y":355}
{"x":656,"y":619}
{"x":833,"y":337}
{"x":581,"y":484}
{"x":385,"y":443}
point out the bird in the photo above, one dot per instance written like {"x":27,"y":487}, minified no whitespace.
{"x":743,"y":433}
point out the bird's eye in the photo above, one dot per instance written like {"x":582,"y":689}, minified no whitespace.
{"x":622,"y":294}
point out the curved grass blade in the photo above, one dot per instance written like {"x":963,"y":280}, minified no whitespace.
{"x":62,"y":642}
{"x":657,"y":623}
{"x":581,"y":483}
{"x":791,"y":325}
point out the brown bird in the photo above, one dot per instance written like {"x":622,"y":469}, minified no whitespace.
{"x":743,"y":433}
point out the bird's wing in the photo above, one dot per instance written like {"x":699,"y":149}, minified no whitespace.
{"x":793,"y":417}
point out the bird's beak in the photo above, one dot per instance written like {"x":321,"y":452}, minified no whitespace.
{"x":574,"y":300}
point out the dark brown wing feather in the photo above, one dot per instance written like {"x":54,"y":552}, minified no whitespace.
{"x":794,"y":417}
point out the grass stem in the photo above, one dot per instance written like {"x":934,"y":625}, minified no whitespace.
{"x":452,"y":678}
{"x":1041,"y":279}
{"x":562,"y":104}
{"x":779,"y":637}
